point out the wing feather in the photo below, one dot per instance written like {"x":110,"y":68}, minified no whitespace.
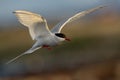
{"x":36,"y":24}
{"x":60,"y":25}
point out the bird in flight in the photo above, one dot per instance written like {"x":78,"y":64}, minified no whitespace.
{"x":39,"y":31}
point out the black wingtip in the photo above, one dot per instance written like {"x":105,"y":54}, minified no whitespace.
{"x":102,"y":6}
{"x":13,"y":12}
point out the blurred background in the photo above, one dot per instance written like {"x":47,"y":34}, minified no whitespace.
{"x":92,"y":54}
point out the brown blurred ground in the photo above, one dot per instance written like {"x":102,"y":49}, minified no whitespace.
{"x":108,"y":70}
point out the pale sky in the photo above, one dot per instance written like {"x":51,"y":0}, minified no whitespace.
{"x":50,"y":9}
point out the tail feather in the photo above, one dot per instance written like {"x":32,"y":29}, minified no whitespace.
{"x":15,"y":58}
{"x":27,"y":52}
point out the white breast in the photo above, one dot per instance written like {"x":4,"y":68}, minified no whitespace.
{"x":50,"y":40}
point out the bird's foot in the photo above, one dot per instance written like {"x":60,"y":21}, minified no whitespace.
{"x":46,"y":46}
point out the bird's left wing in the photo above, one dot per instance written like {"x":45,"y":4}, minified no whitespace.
{"x":60,"y":25}
{"x":36,"y":24}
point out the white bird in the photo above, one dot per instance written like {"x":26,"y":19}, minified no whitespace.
{"x":40,"y":32}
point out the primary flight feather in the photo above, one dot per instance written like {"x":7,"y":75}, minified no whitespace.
{"x":40,"y":32}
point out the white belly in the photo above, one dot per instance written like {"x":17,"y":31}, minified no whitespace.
{"x":50,"y":40}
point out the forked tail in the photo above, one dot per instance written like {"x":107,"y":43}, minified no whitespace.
{"x":31,"y":50}
{"x":15,"y":58}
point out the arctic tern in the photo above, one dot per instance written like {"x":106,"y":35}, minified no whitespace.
{"x":39,"y":31}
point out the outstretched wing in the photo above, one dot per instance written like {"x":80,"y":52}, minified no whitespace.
{"x":60,"y":25}
{"x":36,"y":24}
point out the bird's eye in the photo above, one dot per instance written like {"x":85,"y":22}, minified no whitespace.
{"x":60,"y":35}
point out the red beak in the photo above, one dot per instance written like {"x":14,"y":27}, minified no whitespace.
{"x":67,"y":39}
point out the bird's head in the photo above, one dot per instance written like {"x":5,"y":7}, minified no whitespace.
{"x":61,"y":35}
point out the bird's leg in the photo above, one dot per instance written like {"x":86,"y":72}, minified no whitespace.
{"x":46,"y":46}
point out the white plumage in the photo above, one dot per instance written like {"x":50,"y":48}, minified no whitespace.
{"x":36,"y":24}
{"x":40,"y":32}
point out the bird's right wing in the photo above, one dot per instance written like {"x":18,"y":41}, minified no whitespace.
{"x":60,"y":25}
{"x":36,"y":24}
